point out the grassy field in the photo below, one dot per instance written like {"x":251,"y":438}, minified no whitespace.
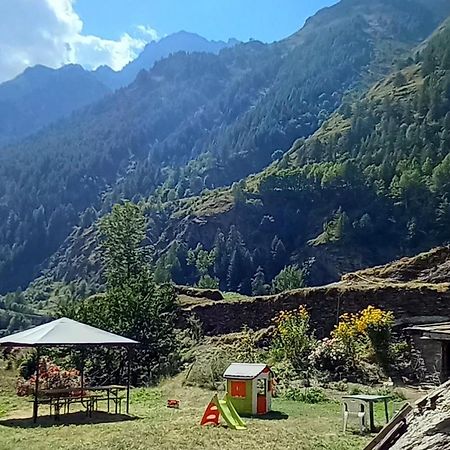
{"x":294,"y":426}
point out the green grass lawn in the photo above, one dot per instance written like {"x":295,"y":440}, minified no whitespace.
{"x":300,"y":426}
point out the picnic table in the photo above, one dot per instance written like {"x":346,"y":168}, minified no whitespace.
{"x":88,"y":396}
{"x":370,"y":400}
{"x":112,"y":395}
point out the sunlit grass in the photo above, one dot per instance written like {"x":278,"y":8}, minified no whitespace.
{"x":305,"y":427}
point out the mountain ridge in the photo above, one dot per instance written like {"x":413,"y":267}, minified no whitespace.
{"x":157,"y":50}
{"x":354,"y":193}
{"x":41,"y":96}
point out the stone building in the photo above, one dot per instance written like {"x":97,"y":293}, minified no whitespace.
{"x":432,"y":341}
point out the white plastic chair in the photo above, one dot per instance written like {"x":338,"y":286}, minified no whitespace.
{"x":354,"y":409}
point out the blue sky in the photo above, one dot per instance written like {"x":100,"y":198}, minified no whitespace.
{"x":265,"y":20}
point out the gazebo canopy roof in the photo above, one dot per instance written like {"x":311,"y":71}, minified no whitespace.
{"x":64,"y":332}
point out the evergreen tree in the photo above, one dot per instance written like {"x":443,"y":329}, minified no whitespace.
{"x":221,"y":257}
{"x":237,"y":189}
{"x":234,"y":270}
{"x":123,"y":232}
{"x":234,"y":240}
{"x":279,"y":253}
{"x":239,"y":271}
{"x":291,"y":277}
{"x":133,"y":306}
{"x":258,"y":283}
{"x":208,"y":282}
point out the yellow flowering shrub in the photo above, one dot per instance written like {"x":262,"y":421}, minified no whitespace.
{"x":372,"y":327}
{"x":346,"y":332}
{"x":293,"y":339}
{"x":374,"y":319}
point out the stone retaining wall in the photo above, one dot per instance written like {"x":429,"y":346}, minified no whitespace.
{"x":325,"y":304}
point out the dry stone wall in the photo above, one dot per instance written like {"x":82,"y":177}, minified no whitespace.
{"x":325,"y":304}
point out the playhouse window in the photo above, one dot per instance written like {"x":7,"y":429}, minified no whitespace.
{"x":261,"y":386}
{"x":238,"y":389}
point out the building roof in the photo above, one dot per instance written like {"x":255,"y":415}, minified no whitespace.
{"x":64,"y":332}
{"x":244,"y":371}
{"x":438,"y":331}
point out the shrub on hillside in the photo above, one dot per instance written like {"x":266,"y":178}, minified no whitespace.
{"x":330,"y":355}
{"x":246,"y":348}
{"x":207,"y":370}
{"x":208,"y":282}
{"x":293,"y":338}
{"x":291,"y":277}
{"x":366,"y":334}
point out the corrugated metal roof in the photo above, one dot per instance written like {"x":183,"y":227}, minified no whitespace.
{"x":64,"y":332}
{"x":441,"y":327}
{"x":436,"y":331}
{"x":244,"y":371}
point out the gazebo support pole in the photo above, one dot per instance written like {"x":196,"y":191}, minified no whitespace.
{"x":128,"y":379}
{"x":36,"y":386}
{"x":82,"y":372}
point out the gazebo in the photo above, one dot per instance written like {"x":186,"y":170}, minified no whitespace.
{"x":66,"y":332}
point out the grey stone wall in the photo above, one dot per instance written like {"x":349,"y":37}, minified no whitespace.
{"x":431,"y":352}
{"x":325,"y":305}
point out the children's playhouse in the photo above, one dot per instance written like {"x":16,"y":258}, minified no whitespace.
{"x":250,"y":387}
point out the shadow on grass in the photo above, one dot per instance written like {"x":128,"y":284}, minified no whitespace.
{"x":273,"y":415}
{"x":76,"y":418}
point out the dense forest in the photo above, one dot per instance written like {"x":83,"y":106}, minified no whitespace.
{"x":193,"y":123}
{"x":370,"y":185}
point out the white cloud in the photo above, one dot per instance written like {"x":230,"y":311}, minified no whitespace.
{"x":92,"y":51}
{"x":148,"y":32}
{"x":50,"y":32}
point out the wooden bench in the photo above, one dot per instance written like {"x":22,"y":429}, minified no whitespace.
{"x":117,"y":401}
{"x":56,"y":403}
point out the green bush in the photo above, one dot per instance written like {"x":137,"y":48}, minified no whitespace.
{"x":246,"y":347}
{"x":395,"y":394}
{"x":27,"y":364}
{"x":208,"y":282}
{"x":306,"y":395}
{"x":207,"y":370}
{"x":340,"y":386}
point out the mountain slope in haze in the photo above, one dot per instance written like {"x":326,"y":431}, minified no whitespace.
{"x":157,"y":50}
{"x":193,"y":122}
{"x":41,"y":95}
{"x":72,"y":166}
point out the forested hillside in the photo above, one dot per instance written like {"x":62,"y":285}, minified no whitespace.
{"x":41,"y":95}
{"x":370,"y":185}
{"x":196,"y":122}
